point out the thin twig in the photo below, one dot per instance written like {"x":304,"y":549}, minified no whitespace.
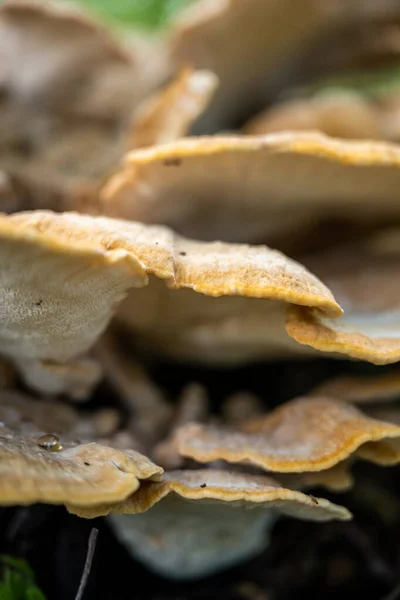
{"x":88,"y":563}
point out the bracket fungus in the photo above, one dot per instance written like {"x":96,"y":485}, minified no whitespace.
{"x":137,"y":285}
{"x":338,"y":114}
{"x":64,"y":275}
{"x":241,"y":188}
{"x":209,"y":537}
{"x":41,"y":459}
{"x":169,"y":114}
{"x":69,"y":92}
{"x":303,"y":435}
{"x":362,"y":390}
{"x":364,"y":277}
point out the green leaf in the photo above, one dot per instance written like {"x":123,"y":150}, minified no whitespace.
{"x":371,"y":83}
{"x":33,"y":593}
{"x":149,"y":14}
{"x":6,"y":593}
{"x":19,"y":564}
{"x":18,"y":580}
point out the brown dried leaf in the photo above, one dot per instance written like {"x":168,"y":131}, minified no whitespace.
{"x":306,"y":434}
{"x":69,"y":471}
{"x":62,"y":278}
{"x":241,"y":188}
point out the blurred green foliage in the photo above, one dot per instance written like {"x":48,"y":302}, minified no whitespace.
{"x":18,"y":580}
{"x":371,"y":83}
{"x":148,"y":14}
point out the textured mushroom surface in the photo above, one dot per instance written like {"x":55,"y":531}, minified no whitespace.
{"x":63,"y":275}
{"x":241,"y":188}
{"x":303,"y":435}
{"x":169,"y":114}
{"x":232,"y":488}
{"x":41,"y":459}
{"x":64,"y":120}
{"x":365,"y":279}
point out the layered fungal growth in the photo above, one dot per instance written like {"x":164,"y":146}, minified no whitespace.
{"x":139,"y":237}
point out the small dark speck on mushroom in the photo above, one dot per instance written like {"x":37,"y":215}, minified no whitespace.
{"x":203,"y":485}
{"x":313,"y":499}
{"x":39,"y":303}
{"x":182,"y":253}
{"x":172,"y":162}
{"x":87,"y":464}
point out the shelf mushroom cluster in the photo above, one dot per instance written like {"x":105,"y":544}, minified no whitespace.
{"x":120,"y":227}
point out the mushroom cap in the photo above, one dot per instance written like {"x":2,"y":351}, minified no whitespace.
{"x":387,"y":452}
{"x":233,"y":488}
{"x":70,"y":90}
{"x":276,"y":40}
{"x":184,"y":540}
{"x":339,"y":114}
{"x":362,"y":390}
{"x":303,"y":435}
{"x":271,"y":37}
{"x":336,"y":479}
{"x":365,"y":279}
{"x":169,"y":114}
{"x":41,"y":459}
{"x":240,"y":188}
{"x":64,"y":275}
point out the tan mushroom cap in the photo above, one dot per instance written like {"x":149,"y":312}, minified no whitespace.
{"x":367,"y":338}
{"x":64,"y":275}
{"x":336,"y":479}
{"x":339,"y":114}
{"x":210,"y":537}
{"x":273,"y":36}
{"x":169,"y":114}
{"x":49,"y":40}
{"x":360,"y":390}
{"x":365,"y":279}
{"x":387,"y":452}
{"x":303,"y":435}
{"x":240,"y":188}
{"x":64,"y":121}
{"x":233,"y":488}
{"x":42,"y":461}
